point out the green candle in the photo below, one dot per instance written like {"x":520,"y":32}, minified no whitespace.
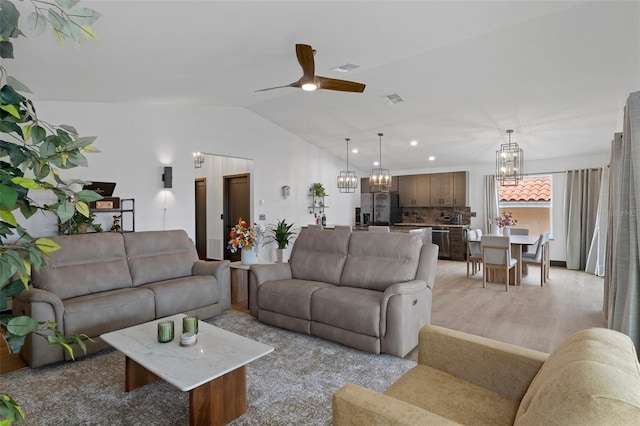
{"x":190,"y":324}
{"x":165,"y":331}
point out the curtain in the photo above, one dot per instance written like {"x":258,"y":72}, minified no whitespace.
{"x":597,"y":251}
{"x":491,"y":209}
{"x":580,"y":208}
{"x":622,"y":283}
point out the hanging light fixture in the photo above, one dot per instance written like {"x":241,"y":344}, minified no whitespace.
{"x":347,"y":181}
{"x":380,"y":179}
{"x":509,"y":161}
{"x":198,"y":159}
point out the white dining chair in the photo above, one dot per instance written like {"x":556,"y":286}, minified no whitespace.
{"x":474,"y":250}
{"x":539,"y":258}
{"x":496,"y":255}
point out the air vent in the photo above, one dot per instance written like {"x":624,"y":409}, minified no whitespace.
{"x":392,"y":99}
{"x":345,"y":68}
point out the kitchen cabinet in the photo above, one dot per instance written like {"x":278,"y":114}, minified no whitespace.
{"x":434,"y":190}
{"x":458,"y":249}
{"x":414,"y":190}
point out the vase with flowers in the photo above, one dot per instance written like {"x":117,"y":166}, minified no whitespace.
{"x":247,"y":239}
{"x":504,"y":221}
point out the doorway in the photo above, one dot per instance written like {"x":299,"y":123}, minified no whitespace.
{"x":236,"y":203}
{"x":201,"y":217}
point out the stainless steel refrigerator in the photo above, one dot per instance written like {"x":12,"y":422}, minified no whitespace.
{"x":380,"y":208}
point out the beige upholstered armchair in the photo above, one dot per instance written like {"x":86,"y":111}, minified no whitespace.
{"x":591,"y":379}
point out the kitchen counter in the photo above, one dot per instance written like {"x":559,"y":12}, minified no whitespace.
{"x":426,"y":225}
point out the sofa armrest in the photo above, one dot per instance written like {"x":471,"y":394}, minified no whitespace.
{"x":501,"y":367}
{"x":355,"y":405}
{"x":52,"y":307}
{"x":260,"y":274}
{"x":221,"y":271}
{"x":399,"y":289}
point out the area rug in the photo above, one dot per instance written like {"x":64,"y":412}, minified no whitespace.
{"x":292,"y":385}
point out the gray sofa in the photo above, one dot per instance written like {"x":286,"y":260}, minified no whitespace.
{"x":102,"y":282}
{"x":371,"y":291}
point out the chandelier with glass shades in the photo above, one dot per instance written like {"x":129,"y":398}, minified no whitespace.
{"x":347,"y":181}
{"x":380,"y":179}
{"x":509,"y":161}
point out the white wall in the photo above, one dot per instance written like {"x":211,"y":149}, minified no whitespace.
{"x":137,"y":141}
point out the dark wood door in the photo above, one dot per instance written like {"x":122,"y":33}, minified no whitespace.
{"x":201,"y":217}
{"x":236,"y":204}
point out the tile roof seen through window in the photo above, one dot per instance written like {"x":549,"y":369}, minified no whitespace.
{"x":529,"y":189}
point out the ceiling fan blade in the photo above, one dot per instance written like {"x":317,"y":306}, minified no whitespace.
{"x":295,"y":84}
{"x":304,"y":52}
{"x":341,"y":85}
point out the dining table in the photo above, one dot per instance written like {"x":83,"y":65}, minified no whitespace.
{"x":517,"y":244}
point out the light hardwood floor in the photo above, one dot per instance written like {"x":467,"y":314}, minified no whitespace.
{"x":535,"y":317}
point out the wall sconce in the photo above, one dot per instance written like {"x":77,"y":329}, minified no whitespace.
{"x":286,"y":191}
{"x":198,"y":159}
{"x":167,"y":177}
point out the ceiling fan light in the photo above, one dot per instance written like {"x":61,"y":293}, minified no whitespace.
{"x":309,"y":87}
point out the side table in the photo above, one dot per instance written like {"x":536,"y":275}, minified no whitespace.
{"x":240,"y":284}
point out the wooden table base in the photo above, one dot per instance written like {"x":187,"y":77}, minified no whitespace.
{"x":213,"y":403}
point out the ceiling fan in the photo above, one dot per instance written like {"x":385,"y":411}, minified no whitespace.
{"x":310,"y":81}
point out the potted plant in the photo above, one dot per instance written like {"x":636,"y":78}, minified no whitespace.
{"x":282,"y":235}
{"x":318,"y":189}
{"x":80,"y":224}
{"x":31,"y":153}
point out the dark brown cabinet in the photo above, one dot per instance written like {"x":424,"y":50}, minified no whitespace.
{"x":433,"y":190}
{"x":457,"y":244}
{"x":414,"y":190}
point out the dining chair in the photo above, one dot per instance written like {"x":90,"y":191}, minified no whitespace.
{"x":496,"y":255}
{"x":539,"y":257}
{"x":314,"y":226}
{"x":474,"y":250}
{"x":342,"y":228}
{"x":379,"y":228}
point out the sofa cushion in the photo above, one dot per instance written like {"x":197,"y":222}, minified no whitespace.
{"x":184,"y":294}
{"x":84,"y":264}
{"x":159,"y":255}
{"x":289,"y":297}
{"x":378,"y":260}
{"x":348,"y":308}
{"x":453,"y":398}
{"x":319,"y":255}
{"x":100,"y":313}
{"x":592,"y":378}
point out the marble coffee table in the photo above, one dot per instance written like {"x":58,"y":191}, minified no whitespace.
{"x":213,"y":371}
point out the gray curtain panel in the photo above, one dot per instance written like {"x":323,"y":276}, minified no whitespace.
{"x":597,"y":251}
{"x":622,"y":284}
{"x":491,"y":209}
{"x":580,"y":208}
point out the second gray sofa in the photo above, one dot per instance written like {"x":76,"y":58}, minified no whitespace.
{"x":367,"y":290}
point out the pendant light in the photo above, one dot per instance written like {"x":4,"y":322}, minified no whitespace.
{"x":509,"y":162}
{"x":380,"y":179}
{"x":347,"y":181}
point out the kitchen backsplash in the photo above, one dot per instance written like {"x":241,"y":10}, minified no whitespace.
{"x":435,"y":215}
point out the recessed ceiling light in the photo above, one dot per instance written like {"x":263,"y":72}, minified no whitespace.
{"x":414,"y":143}
{"x":354,"y":150}
{"x":375,"y":163}
{"x":432,"y":158}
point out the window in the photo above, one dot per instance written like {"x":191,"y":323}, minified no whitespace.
{"x":530,"y":203}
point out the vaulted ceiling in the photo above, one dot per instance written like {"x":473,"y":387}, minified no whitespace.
{"x":556,"y":72}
